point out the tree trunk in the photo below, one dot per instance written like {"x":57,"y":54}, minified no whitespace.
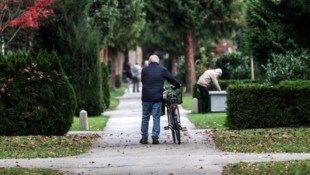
{"x":120,"y":64}
{"x":189,"y":61}
{"x":117,"y":68}
{"x":174,"y":69}
{"x":113,"y":55}
{"x":104,"y":55}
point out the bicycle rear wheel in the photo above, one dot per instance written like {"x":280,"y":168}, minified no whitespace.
{"x":171,"y":123}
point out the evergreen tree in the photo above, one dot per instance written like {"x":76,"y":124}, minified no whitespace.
{"x":78,"y":44}
{"x":261,"y":31}
{"x":105,"y":86}
{"x":276,"y":27}
{"x":293,"y":19}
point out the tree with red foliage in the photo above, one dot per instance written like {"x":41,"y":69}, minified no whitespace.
{"x":32,"y":15}
{"x":19,"y":14}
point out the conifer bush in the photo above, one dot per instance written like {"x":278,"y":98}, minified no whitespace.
{"x":78,"y":45}
{"x":36,"y":97}
{"x":105,"y":86}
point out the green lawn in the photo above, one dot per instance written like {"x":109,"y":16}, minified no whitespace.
{"x":289,"y":140}
{"x":96,"y":123}
{"x":187,"y":101}
{"x":29,"y":171}
{"x":208,"y":121}
{"x":269,"y":168}
{"x":204,"y":121}
{"x":113,"y":97}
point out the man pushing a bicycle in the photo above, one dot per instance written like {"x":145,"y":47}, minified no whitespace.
{"x":153,"y":78}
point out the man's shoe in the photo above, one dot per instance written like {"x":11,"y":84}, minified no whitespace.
{"x":155,"y":140}
{"x":143,"y":141}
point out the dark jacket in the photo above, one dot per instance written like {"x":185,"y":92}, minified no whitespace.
{"x":128,"y":73}
{"x":153,"y":78}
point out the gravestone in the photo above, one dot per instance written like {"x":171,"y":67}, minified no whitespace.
{"x":218,"y":101}
{"x":195,"y":105}
{"x":83,"y":120}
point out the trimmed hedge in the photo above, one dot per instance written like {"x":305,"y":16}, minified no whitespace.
{"x":263,"y":106}
{"x":36,"y":97}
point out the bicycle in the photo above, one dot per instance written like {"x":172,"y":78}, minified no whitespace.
{"x":172,"y":99}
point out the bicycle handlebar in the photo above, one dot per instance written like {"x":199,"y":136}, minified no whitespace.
{"x":171,"y":87}
{"x":172,"y":95}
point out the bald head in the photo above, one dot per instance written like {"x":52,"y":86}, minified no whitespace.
{"x":154,"y":58}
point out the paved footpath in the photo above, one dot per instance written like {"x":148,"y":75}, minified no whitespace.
{"x":118,"y":151}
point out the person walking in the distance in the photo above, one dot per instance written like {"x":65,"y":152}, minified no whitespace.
{"x":153,"y":78}
{"x":136,"y":75}
{"x":204,"y":83}
{"x":128,"y":76}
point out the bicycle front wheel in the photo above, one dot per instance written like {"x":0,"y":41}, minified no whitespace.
{"x":176,"y":126}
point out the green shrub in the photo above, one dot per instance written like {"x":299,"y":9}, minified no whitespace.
{"x":234,"y":66}
{"x":288,"y":66}
{"x":36,"y":97}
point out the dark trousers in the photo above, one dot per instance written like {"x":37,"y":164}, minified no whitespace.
{"x":205,"y":100}
{"x":135,"y":82}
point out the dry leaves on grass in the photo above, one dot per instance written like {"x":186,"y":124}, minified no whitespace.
{"x":44,"y":146}
{"x":294,"y":140}
{"x":269,"y":168}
